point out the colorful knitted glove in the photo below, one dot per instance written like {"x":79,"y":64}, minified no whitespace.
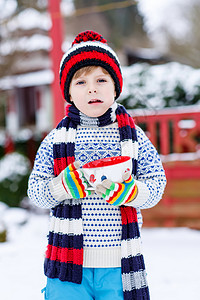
{"x":74,"y":181}
{"x":118,"y":193}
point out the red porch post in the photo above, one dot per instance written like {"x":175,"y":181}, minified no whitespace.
{"x":151,"y":127}
{"x":177,"y":139}
{"x":56,"y":34}
{"x":164,"y":136}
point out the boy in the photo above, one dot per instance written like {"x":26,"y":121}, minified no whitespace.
{"x":94,"y":247}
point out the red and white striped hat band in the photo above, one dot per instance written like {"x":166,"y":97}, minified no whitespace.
{"x":89,"y":49}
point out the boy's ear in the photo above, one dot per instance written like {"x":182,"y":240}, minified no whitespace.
{"x":70,"y":98}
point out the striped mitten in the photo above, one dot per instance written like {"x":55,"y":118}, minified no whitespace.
{"x":118,"y":193}
{"x":74,"y":181}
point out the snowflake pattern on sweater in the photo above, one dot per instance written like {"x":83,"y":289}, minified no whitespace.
{"x":101,"y":221}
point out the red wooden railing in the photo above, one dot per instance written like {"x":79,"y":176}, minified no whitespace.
{"x":181,"y":138}
{"x":176,"y":135}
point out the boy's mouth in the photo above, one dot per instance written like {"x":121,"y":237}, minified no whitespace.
{"x":92,"y":101}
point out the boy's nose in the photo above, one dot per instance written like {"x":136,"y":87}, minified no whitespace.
{"x":92,"y":90}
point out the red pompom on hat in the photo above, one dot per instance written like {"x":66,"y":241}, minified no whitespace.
{"x":88,"y":36}
{"x":89,"y":49}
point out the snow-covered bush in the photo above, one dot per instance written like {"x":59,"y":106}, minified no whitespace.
{"x":3,"y":234}
{"x":3,"y":229}
{"x":159,"y":86}
{"x":10,"y":219}
{"x":14,"y":172}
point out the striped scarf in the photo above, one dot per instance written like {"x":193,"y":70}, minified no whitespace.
{"x":64,"y":255}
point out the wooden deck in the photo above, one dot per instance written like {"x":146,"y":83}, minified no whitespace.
{"x":180,"y":205}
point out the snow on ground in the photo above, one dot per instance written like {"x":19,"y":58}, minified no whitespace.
{"x":172,"y":261}
{"x":21,"y":260}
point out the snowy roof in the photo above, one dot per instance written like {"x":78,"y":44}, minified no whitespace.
{"x":28,"y":19}
{"x":27,"y":44}
{"x":7,"y":8}
{"x":30,"y":79}
{"x":31,"y":18}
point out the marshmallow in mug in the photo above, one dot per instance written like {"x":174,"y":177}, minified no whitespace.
{"x":111,"y":168}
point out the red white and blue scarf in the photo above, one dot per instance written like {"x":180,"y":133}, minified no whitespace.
{"x":64,"y":255}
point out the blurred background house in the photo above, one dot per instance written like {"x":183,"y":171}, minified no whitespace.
{"x":159,"y":53}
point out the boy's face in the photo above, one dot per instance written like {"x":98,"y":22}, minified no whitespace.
{"x":92,"y":93}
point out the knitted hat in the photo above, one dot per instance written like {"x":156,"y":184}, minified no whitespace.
{"x":89,"y":49}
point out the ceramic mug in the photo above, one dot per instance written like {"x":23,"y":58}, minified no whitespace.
{"x":111,"y":168}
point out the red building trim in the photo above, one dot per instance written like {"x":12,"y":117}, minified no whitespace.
{"x":56,"y":34}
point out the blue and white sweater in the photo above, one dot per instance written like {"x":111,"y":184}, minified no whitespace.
{"x":101,"y":221}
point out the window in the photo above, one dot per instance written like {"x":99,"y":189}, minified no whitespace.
{"x":26,"y":106}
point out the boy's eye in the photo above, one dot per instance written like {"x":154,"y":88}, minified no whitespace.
{"x":102,"y":80}
{"x":80,"y":82}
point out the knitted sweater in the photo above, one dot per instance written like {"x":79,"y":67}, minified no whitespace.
{"x":101,"y":221}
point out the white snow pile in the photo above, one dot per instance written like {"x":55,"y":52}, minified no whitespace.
{"x":171,"y":255}
{"x":149,"y":85}
{"x":13,"y":165}
{"x":67,"y":7}
{"x":167,"y":17}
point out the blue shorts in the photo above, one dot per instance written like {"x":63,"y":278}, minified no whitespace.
{"x":97,"y":283}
